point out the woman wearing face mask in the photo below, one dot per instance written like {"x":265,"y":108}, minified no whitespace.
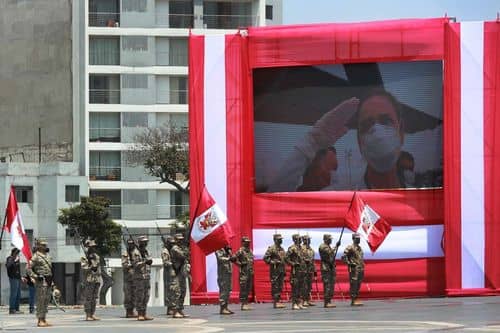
{"x":380,"y":137}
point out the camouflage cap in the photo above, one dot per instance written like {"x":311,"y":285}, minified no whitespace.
{"x":245,"y":239}
{"x":41,"y":241}
{"x":90,"y":243}
{"x":277,"y":236}
{"x":295,"y":236}
{"x":143,"y":239}
{"x":327,"y":236}
{"x":179,"y":236}
{"x":306,"y":237}
{"x":170,"y":240}
{"x":356,"y":235}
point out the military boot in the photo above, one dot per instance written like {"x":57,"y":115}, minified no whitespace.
{"x":245,"y":307}
{"x":356,"y":302}
{"x":170,"y":311}
{"x":183,"y":314}
{"x":45,"y":323}
{"x":330,"y":305}
{"x":140,"y":316}
{"x":41,"y":323}
{"x":89,"y":317}
{"x":278,"y":305}
{"x":310,"y":303}
{"x":177,"y":314}
{"x":95,"y":318}
{"x":303,"y":305}
{"x":295,"y":306}
{"x":130,"y":314}
{"x":146,"y":316}
{"x":224,"y":310}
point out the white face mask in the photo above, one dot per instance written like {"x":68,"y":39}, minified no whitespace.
{"x":409,"y":177}
{"x":380,"y":147}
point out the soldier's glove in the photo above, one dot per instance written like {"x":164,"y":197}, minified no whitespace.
{"x":94,"y":268}
{"x":338,"y":244}
{"x":39,"y":278}
{"x":149,"y":262}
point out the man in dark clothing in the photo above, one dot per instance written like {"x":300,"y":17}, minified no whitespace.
{"x":14,"y":273}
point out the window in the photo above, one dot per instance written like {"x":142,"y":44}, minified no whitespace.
{"x":135,"y":119}
{"x":104,"y":51}
{"x":269,"y":12}
{"x":134,"y":5}
{"x":135,"y":197}
{"x":29,"y":235}
{"x":134,"y":43}
{"x":135,"y":81}
{"x":71,"y":237}
{"x":72,"y":193}
{"x":24,"y":194}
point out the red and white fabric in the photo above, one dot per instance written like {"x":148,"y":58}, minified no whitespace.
{"x":362,"y":219}
{"x":210,"y":230}
{"x":410,"y":262}
{"x":14,"y":225}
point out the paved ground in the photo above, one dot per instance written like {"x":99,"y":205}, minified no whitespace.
{"x":474,"y":314}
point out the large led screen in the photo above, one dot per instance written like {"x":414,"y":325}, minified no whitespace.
{"x":348,"y":127}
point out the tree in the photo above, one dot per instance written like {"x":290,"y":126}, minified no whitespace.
{"x":163,"y":151}
{"x":90,"y":220}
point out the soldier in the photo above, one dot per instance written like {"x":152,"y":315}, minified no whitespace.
{"x":275,"y":258}
{"x":185,"y":271}
{"x":294,"y":259}
{"x":178,"y":257}
{"x":353,"y":257}
{"x":91,"y":279}
{"x":141,"y":264}
{"x":128,"y":280}
{"x":41,"y":272}
{"x":168,"y":272}
{"x":244,"y":260}
{"x":224,"y":277}
{"x":307,"y":254}
{"x":328,"y":270}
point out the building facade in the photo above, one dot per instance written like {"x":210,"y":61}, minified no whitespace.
{"x":129,"y":63}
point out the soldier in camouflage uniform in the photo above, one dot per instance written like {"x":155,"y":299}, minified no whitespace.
{"x":168,"y":272}
{"x":91,"y":279}
{"x":297,"y":265}
{"x":141,"y":263}
{"x":328,"y":270}
{"x":244,"y":260}
{"x":224,"y":277}
{"x":41,"y":272}
{"x":307,"y":254}
{"x":185,"y":271}
{"x":179,"y":260}
{"x":353,"y":257}
{"x":128,"y":280}
{"x":275,"y":258}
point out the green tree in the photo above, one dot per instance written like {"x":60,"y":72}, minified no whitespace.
{"x":90,"y":220}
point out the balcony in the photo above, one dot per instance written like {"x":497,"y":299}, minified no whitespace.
{"x":104,"y":57}
{"x":170,"y":211}
{"x":178,"y":21}
{"x":105,"y":173}
{"x":229,"y":21}
{"x":115,"y":212}
{"x":104,"y":19}
{"x":104,"y":96}
{"x":171,"y":58}
{"x":104,"y":135}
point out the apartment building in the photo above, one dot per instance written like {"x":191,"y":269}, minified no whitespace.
{"x":129,"y":70}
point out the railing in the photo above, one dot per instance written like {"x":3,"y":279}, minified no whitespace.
{"x":171,"y":59}
{"x":104,"y":135}
{"x":105,"y":173}
{"x":104,"y":57}
{"x":104,"y":19}
{"x":183,"y":21}
{"x":105,"y":96}
{"x":229,"y":21}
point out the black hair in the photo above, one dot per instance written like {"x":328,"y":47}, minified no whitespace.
{"x":379,"y":92}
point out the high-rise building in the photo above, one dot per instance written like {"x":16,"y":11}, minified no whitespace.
{"x":112,"y":69}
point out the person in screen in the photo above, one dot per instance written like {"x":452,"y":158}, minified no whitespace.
{"x":380,"y":136}
{"x":406,"y":169}
{"x":321,"y":172}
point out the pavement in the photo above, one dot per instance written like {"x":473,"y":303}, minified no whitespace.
{"x":471,"y":314}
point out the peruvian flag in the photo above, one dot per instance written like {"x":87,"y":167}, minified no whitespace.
{"x":362,"y":219}
{"x":210,"y":230}
{"x":14,"y":225}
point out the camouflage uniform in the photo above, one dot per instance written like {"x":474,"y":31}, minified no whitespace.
{"x":328,"y":270}
{"x":168,"y":272}
{"x":275,"y":258}
{"x":91,"y":281}
{"x":297,"y":265}
{"x":224,"y":276}
{"x":185,"y":272}
{"x":141,"y":263}
{"x":128,"y":281}
{"x":353,"y":257}
{"x":178,"y":257}
{"x":244,"y":260}
{"x":41,"y":272}
{"x":307,"y":254}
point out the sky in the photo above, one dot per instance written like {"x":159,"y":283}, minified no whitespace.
{"x":325,"y":11}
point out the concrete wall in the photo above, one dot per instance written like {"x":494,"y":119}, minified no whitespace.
{"x":36,"y":77}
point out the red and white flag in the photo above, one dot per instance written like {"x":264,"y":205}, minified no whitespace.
{"x":362,"y":219}
{"x":14,"y":225}
{"x":210,"y":230}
